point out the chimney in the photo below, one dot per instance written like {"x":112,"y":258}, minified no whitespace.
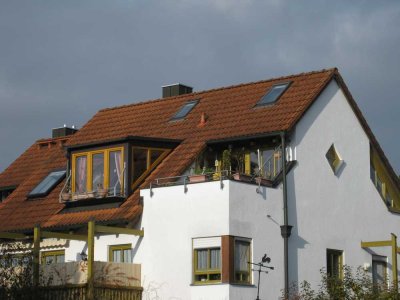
{"x":175,"y":89}
{"x":63,"y":131}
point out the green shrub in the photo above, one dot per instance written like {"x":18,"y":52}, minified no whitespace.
{"x":355,"y":285}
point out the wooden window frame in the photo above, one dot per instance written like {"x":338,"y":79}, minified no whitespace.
{"x":44,"y":254}
{"x":248,"y":272}
{"x":89,"y":167}
{"x":121,"y":248}
{"x":207,"y":271}
{"x":149,"y":165}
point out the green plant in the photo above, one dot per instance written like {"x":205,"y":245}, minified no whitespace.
{"x":238,"y":155}
{"x":355,"y":285}
{"x":226,"y":159}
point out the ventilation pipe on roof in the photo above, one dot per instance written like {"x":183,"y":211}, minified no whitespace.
{"x":203,"y":120}
{"x":176,"y":89}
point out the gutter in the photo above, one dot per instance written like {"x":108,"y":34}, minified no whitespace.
{"x":285,"y":228}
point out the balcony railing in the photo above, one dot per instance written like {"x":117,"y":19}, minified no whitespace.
{"x":265,"y":175}
{"x":66,"y":194}
{"x":104,"y":273}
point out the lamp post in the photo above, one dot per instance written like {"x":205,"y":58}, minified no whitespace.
{"x":261,"y":269}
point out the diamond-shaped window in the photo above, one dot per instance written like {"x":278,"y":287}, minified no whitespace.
{"x":334,"y":159}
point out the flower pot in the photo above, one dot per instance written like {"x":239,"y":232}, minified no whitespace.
{"x":197,"y":178}
{"x":263,"y":181}
{"x":101,"y":193}
{"x":65,"y":196}
{"x":242,"y":177}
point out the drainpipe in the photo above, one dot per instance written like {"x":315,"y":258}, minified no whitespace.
{"x":285,"y":228}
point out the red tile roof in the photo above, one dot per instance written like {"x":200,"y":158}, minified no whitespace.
{"x":230,"y":113}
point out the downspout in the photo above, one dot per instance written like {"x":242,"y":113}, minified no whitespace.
{"x":285,"y":228}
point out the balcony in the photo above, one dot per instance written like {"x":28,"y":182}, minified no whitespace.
{"x":104,"y":273}
{"x":68,"y":196}
{"x":268,"y":173}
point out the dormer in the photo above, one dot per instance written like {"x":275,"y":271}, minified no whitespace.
{"x":112,"y":170}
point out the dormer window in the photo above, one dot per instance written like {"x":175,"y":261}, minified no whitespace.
{"x":274,"y":93}
{"x":143,"y":161}
{"x":98,"y":172}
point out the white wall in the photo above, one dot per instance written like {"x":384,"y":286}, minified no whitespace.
{"x":327,"y":210}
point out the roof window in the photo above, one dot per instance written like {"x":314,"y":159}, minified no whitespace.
{"x":5,"y":192}
{"x":274,"y":93}
{"x":185,"y":109}
{"x":47,"y":184}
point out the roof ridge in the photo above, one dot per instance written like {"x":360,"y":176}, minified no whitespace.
{"x":333,"y":69}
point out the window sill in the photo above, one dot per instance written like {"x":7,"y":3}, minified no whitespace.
{"x":245,"y":285}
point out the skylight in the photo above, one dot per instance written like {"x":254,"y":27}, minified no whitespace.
{"x":185,"y":110}
{"x":273,"y":94}
{"x":47,"y":184}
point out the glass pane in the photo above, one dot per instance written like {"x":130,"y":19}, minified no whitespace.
{"x":379,"y":272}
{"x":115,"y":170}
{"x":215,"y":258}
{"x":202,"y":259}
{"x":60,"y":258}
{"x":154,"y":154}
{"x":372,"y":173}
{"x":117,"y":256}
{"x":98,"y":171}
{"x":49,"y":260}
{"x":127,"y":255}
{"x":46,"y":184}
{"x":139,"y":162}
{"x":242,"y":256}
{"x":185,"y":110}
{"x":379,"y":184}
{"x":80,"y":174}
{"x":273,"y":94}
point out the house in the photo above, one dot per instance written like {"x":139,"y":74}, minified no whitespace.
{"x":313,"y":190}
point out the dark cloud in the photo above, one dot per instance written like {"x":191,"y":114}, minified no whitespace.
{"x":61,"y":61}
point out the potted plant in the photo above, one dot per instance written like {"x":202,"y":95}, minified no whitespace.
{"x":200,"y":175}
{"x":65,"y":196}
{"x":227,"y":160}
{"x":239,"y":156}
{"x":101,"y":192}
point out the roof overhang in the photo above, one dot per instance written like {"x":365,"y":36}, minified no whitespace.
{"x":130,"y":138}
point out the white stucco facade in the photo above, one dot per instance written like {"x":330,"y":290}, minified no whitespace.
{"x":326,"y":210}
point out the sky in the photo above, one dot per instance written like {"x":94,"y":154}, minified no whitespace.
{"x":62,"y":61}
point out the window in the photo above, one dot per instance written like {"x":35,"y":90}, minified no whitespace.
{"x":379,"y":270}
{"x":184,"y":110}
{"x":120,"y":253}
{"x":334,"y":263}
{"x":381,"y":186}
{"x":334,"y":159}
{"x":97,"y":170}
{"x":273,"y":94}
{"x":143,"y":160}
{"x":5,"y":192}
{"x":47,"y":184}
{"x":53,"y":257}
{"x":207,"y":265}
{"x":242,"y":259}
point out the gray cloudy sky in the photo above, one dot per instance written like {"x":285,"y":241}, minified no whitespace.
{"x":61,"y":61}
